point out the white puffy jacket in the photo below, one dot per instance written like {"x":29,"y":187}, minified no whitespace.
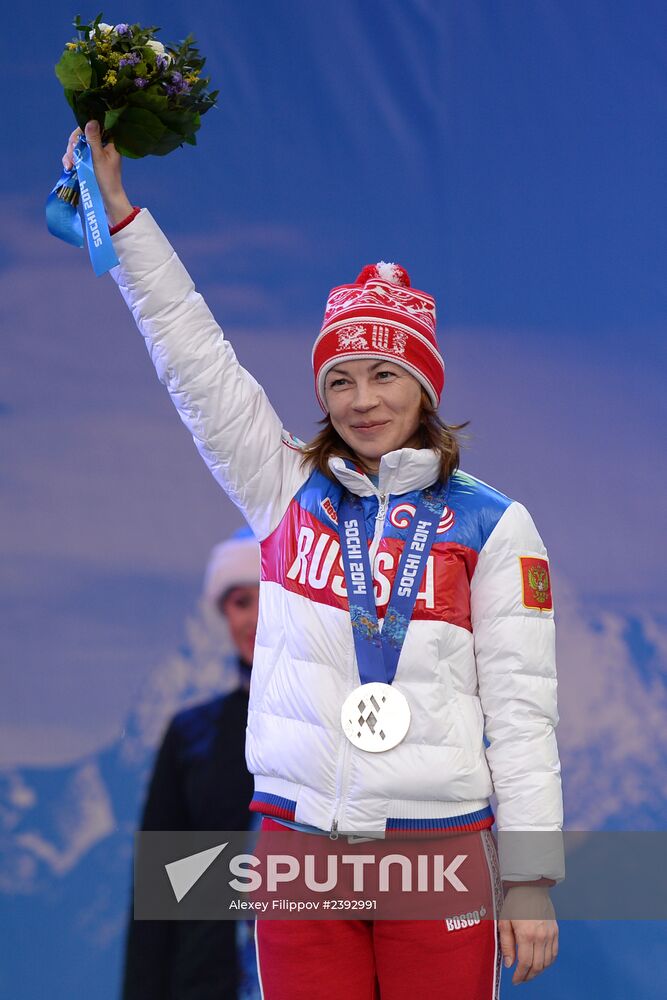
{"x":478,"y":659}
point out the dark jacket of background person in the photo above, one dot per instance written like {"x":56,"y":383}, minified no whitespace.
{"x":200,"y":782}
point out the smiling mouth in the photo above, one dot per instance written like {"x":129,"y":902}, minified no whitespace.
{"x":369,"y":427}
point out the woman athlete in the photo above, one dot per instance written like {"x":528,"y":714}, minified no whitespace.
{"x":359,"y":724}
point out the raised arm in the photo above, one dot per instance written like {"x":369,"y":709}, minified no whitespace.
{"x":234,"y":427}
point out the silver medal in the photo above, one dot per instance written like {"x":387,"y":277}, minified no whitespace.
{"x":375,"y":717}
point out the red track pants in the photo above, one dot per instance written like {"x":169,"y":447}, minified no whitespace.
{"x":381,"y":959}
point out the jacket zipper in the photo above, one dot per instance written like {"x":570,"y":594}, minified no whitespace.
{"x":341,"y":784}
{"x":383,"y":503}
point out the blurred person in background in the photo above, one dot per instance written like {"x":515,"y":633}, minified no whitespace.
{"x":200,"y":782}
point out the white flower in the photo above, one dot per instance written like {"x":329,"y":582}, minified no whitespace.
{"x":104,"y":29}
{"x":157,"y":47}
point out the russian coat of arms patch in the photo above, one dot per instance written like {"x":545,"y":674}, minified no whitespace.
{"x":536,"y":583}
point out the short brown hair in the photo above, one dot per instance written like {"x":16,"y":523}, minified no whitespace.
{"x":434,"y":433}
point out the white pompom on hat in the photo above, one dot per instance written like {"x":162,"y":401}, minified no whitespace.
{"x":381,"y":317}
{"x":233,"y":563}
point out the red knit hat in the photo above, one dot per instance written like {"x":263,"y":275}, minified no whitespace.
{"x":380,"y":316}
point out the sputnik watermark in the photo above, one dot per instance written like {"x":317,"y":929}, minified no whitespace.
{"x":426,"y":873}
{"x":285,"y":873}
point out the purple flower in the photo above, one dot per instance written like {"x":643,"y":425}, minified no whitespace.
{"x":122,"y":29}
{"x":162,"y":62}
{"x":178,"y":85}
{"x":131,"y":59}
{"x":141,"y":81}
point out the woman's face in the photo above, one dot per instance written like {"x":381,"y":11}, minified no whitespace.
{"x":375,"y":406}
{"x":240,"y":607}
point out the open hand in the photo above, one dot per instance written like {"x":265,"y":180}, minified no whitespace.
{"x":528,"y":930}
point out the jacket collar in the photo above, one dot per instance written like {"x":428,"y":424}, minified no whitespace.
{"x":400,"y":472}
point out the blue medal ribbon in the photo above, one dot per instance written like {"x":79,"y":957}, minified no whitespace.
{"x":62,"y":217}
{"x":378,"y":652}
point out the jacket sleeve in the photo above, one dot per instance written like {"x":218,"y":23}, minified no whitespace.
{"x":234,"y":427}
{"x":514,"y":639}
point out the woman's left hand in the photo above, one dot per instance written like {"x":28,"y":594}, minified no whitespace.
{"x":528,"y":930}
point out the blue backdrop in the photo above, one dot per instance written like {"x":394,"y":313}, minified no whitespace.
{"x":511,"y":157}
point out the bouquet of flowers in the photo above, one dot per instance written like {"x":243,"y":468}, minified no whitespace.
{"x":147,"y":97}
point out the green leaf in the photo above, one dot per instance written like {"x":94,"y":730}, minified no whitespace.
{"x":69,"y":94}
{"x":125,"y":83}
{"x":182,"y":128}
{"x":152,"y":98}
{"x":203,"y":105}
{"x":137,"y":132}
{"x":181,"y":122}
{"x":99,"y":66}
{"x":167,"y":144}
{"x":88,"y":105}
{"x":112,"y":116}
{"x":74,"y":71}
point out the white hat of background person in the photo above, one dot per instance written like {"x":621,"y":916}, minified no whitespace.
{"x":232,"y":563}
